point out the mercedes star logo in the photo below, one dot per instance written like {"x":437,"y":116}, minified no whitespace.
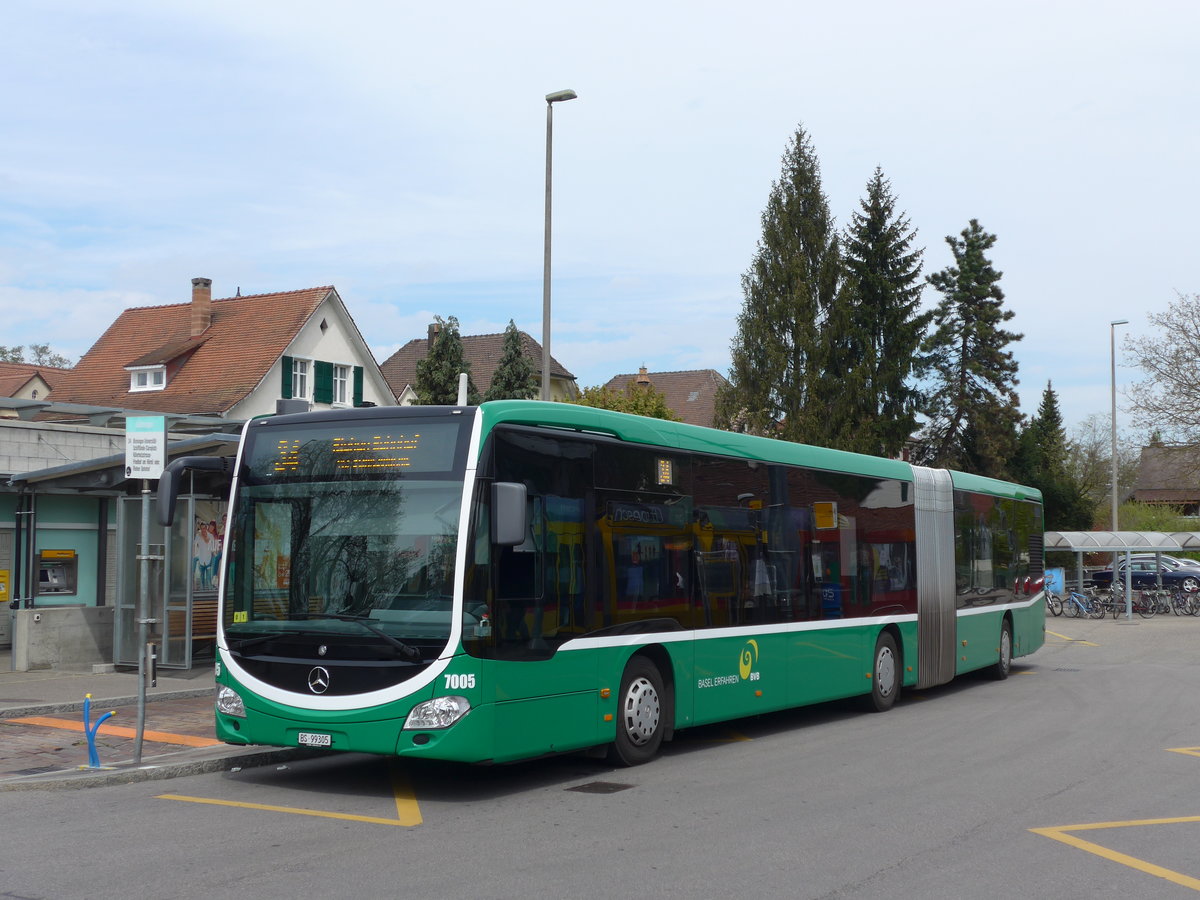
{"x":318,"y":680}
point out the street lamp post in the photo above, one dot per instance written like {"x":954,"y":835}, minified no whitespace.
{"x":551,"y":99}
{"x":1112,"y":352}
{"x":1112,"y":346}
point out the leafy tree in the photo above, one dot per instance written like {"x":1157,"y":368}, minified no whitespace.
{"x":1089,"y":464}
{"x":1168,"y":400}
{"x":437,"y":373}
{"x":972,"y":404}
{"x":515,"y":378}
{"x":778,"y":359}
{"x":1041,"y":462}
{"x":639,"y":399}
{"x":1151,"y":517}
{"x":39,"y":355}
{"x":880,"y":329}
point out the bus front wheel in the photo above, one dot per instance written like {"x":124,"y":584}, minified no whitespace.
{"x":885,"y":674}
{"x":640,"y":718}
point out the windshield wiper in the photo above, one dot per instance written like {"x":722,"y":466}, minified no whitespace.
{"x":246,"y":643}
{"x":409,"y":651}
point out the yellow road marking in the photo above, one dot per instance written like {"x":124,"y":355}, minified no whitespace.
{"x":1063,"y":637}
{"x":408,"y":813}
{"x":160,"y":737}
{"x":1061,"y":833}
{"x":1187,"y":751}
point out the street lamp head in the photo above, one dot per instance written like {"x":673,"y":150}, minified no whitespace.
{"x":559,"y":96}
{"x":1119,"y":322}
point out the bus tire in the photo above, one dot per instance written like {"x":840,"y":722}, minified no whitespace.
{"x":885,"y":674}
{"x":642,"y":705}
{"x":1004,"y":664}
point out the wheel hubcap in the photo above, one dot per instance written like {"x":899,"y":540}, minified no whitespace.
{"x":885,"y":672}
{"x":642,"y":711}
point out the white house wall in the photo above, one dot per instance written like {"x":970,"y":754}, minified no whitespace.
{"x":339,"y":344}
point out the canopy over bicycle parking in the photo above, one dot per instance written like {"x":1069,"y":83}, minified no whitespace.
{"x":1126,"y":542}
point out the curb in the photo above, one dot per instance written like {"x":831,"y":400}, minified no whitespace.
{"x":42,"y":709}
{"x":88,"y":778}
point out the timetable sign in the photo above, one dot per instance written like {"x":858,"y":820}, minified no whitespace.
{"x":145,"y":446}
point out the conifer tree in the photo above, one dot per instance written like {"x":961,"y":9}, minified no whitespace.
{"x":514,"y":378}
{"x":972,"y":406}
{"x":437,"y":373}
{"x":879,"y":327}
{"x":778,"y":358}
{"x":1043,"y":461}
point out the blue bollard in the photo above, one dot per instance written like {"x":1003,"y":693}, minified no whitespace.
{"x":90,"y":730}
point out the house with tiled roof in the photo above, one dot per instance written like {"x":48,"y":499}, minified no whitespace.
{"x":483,"y":352}
{"x":69,"y":515}
{"x":691,"y":395}
{"x":1169,"y":476}
{"x":27,"y":381}
{"x":232,"y":357}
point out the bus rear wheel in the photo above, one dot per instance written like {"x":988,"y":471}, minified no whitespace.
{"x":640,"y":717}
{"x":1004,"y":665}
{"x":885,"y":674}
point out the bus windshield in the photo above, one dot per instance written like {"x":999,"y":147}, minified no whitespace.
{"x":348,"y":535}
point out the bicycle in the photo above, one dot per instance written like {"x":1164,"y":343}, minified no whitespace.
{"x":1054,"y":604}
{"x":1077,"y":605}
{"x":1144,"y":603}
{"x":1184,"y":603}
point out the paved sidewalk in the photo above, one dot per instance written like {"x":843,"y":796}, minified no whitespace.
{"x":43,"y":744}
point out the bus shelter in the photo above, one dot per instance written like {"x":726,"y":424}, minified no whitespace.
{"x":1121,"y":542}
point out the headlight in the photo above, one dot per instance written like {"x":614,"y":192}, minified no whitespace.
{"x":440,"y":712}
{"x":229,"y":702}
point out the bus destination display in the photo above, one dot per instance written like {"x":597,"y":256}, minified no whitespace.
{"x":349,"y":452}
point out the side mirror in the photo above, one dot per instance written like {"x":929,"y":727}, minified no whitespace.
{"x":168,"y":483}
{"x":508,"y":513}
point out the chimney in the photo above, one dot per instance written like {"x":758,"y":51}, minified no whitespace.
{"x":642,"y":377}
{"x":201,"y":305}
{"x":434,"y":330}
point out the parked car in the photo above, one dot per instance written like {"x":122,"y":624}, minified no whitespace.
{"x":1176,"y":572}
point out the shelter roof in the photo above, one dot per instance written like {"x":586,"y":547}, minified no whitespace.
{"x":1121,"y":541}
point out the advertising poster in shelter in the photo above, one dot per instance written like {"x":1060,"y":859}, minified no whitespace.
{"x":208,"y":535}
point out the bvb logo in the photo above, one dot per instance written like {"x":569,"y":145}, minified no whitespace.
{"x":748,"y":658}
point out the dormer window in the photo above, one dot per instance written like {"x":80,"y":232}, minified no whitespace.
{"x":148,"y":378}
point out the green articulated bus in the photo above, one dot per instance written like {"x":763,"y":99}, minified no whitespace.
{"x":494,"y":583}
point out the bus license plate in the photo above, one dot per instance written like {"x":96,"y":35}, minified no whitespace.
{"x":311,"y":739}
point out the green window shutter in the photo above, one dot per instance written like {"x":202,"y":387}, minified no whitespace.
{"x":322,"y":382}
{"x":285,"y":387}
{"x":358,"y":384}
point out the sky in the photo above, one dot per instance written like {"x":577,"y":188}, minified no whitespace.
{"x":397,"y":151}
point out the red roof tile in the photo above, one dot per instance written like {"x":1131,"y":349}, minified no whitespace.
{"x":247,"y":335}
{"x":482,"y":351}
{"x":14,"y":376}
{"x":691,"y":395}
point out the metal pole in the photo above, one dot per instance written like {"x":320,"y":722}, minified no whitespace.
{"x":143,"y":621}
{"x":1112,"y":351}
{"x":546,"y":256}
{"x":1112,"y":342}
{"x":551,"y":99}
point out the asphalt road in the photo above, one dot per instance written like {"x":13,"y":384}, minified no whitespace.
{"x":938,"y":798}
